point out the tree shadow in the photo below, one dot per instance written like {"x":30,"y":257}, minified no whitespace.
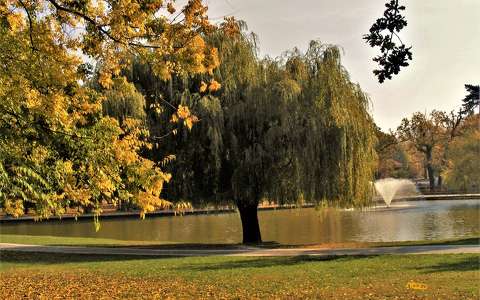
{"x":466,"y":241}
{"x":266,"y":262}
{"x":276,"y":245}
{"x":183,"y":246}
{"x":471,"y":263}
{"x":44,"y":258}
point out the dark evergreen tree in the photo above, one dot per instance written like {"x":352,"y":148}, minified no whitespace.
{"x":472,"y":99}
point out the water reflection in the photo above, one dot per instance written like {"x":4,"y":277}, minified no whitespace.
{"x":421,"y":220}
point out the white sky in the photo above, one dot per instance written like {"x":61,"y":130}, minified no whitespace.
{"x":445,"y":35}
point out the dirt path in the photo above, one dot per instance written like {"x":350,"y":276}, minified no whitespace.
{"x":245,"y":251}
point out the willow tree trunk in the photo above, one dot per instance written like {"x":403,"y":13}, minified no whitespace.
{"x":250,"y":225}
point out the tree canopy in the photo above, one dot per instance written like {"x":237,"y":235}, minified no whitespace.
{"x":286,"y":130}
{"x":462,"y":172}
{"x":472,"y":99}
{"x":426,"y":132}
{"x":58,"y":150}
{"x":432,"y":135}
{"x":110,"y":31}
{"x":396,"y":158}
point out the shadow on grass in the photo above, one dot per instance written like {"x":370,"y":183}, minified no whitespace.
{"x":182,"y":246}
{"x":276,"y":245}
{"x":466,"y":241}
{"x":41,"y":258}
{"x":266,"y":262}
{"x":471,"y":263}
{"x":156,"y":246}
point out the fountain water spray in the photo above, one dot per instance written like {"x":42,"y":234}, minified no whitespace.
{"x":388,"y":188}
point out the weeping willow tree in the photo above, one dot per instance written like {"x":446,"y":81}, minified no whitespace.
{"x":295,"y":128}
{"x":338,"y":154}
{"x":198,"y":149}
{"x":283,"y":130}
{"x":123,"y":101}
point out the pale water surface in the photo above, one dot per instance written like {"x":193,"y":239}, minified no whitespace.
{"x":419,"y":220}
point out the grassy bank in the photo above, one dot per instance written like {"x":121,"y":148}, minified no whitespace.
{"x":97,"y":242}
{"x":37,"y":275}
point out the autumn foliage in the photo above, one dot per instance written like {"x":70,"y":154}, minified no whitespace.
{"x":60,"y":61}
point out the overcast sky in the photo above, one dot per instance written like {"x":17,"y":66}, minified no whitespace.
{"x":445,"y":35}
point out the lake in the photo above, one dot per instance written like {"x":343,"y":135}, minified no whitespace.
{"x":407,"y":221}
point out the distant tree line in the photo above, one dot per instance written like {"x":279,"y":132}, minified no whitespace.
{"x":437,"y":146}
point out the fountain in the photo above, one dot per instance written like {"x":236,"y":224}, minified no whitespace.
{"x":388,"y":188}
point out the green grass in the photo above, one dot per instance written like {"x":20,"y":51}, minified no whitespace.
{"x":98,"y":242}
{"x":37,"y":275}
{"x":41,"y":275}
{"x":68,"y":241}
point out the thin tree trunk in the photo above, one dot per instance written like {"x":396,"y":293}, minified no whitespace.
{"x":431,"y":175}
{"x":250,"y":225}
{"x":170,"y":89}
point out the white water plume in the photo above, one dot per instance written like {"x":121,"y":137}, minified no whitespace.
{"x":388,"y":188}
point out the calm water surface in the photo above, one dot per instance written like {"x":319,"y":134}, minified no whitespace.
{"x":420,"y":220}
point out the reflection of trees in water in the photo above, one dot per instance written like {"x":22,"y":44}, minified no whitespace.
{"x":430,"y":223}
{"x":304,"y":226}
{"x":380,"y":226}
{"x":427,"y":220}
{"x":455,"y":221}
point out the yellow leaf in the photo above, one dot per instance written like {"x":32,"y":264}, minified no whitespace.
{"x":214,"y":86}
{"x":203,"y":87}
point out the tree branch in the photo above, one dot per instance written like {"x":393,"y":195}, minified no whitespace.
{"x":43,"y":127}
{"x":30,"y":27}
{"x":398,"y":37}
{"x":99,"y":26}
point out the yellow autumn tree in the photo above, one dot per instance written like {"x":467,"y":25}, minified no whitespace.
{"x":57,"y":149}
{"x":463,"y":166}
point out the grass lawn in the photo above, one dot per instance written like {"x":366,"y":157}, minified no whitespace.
{"x":48,"y":276}
{"x":68,"y":241}
{"x":99,"y":242}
